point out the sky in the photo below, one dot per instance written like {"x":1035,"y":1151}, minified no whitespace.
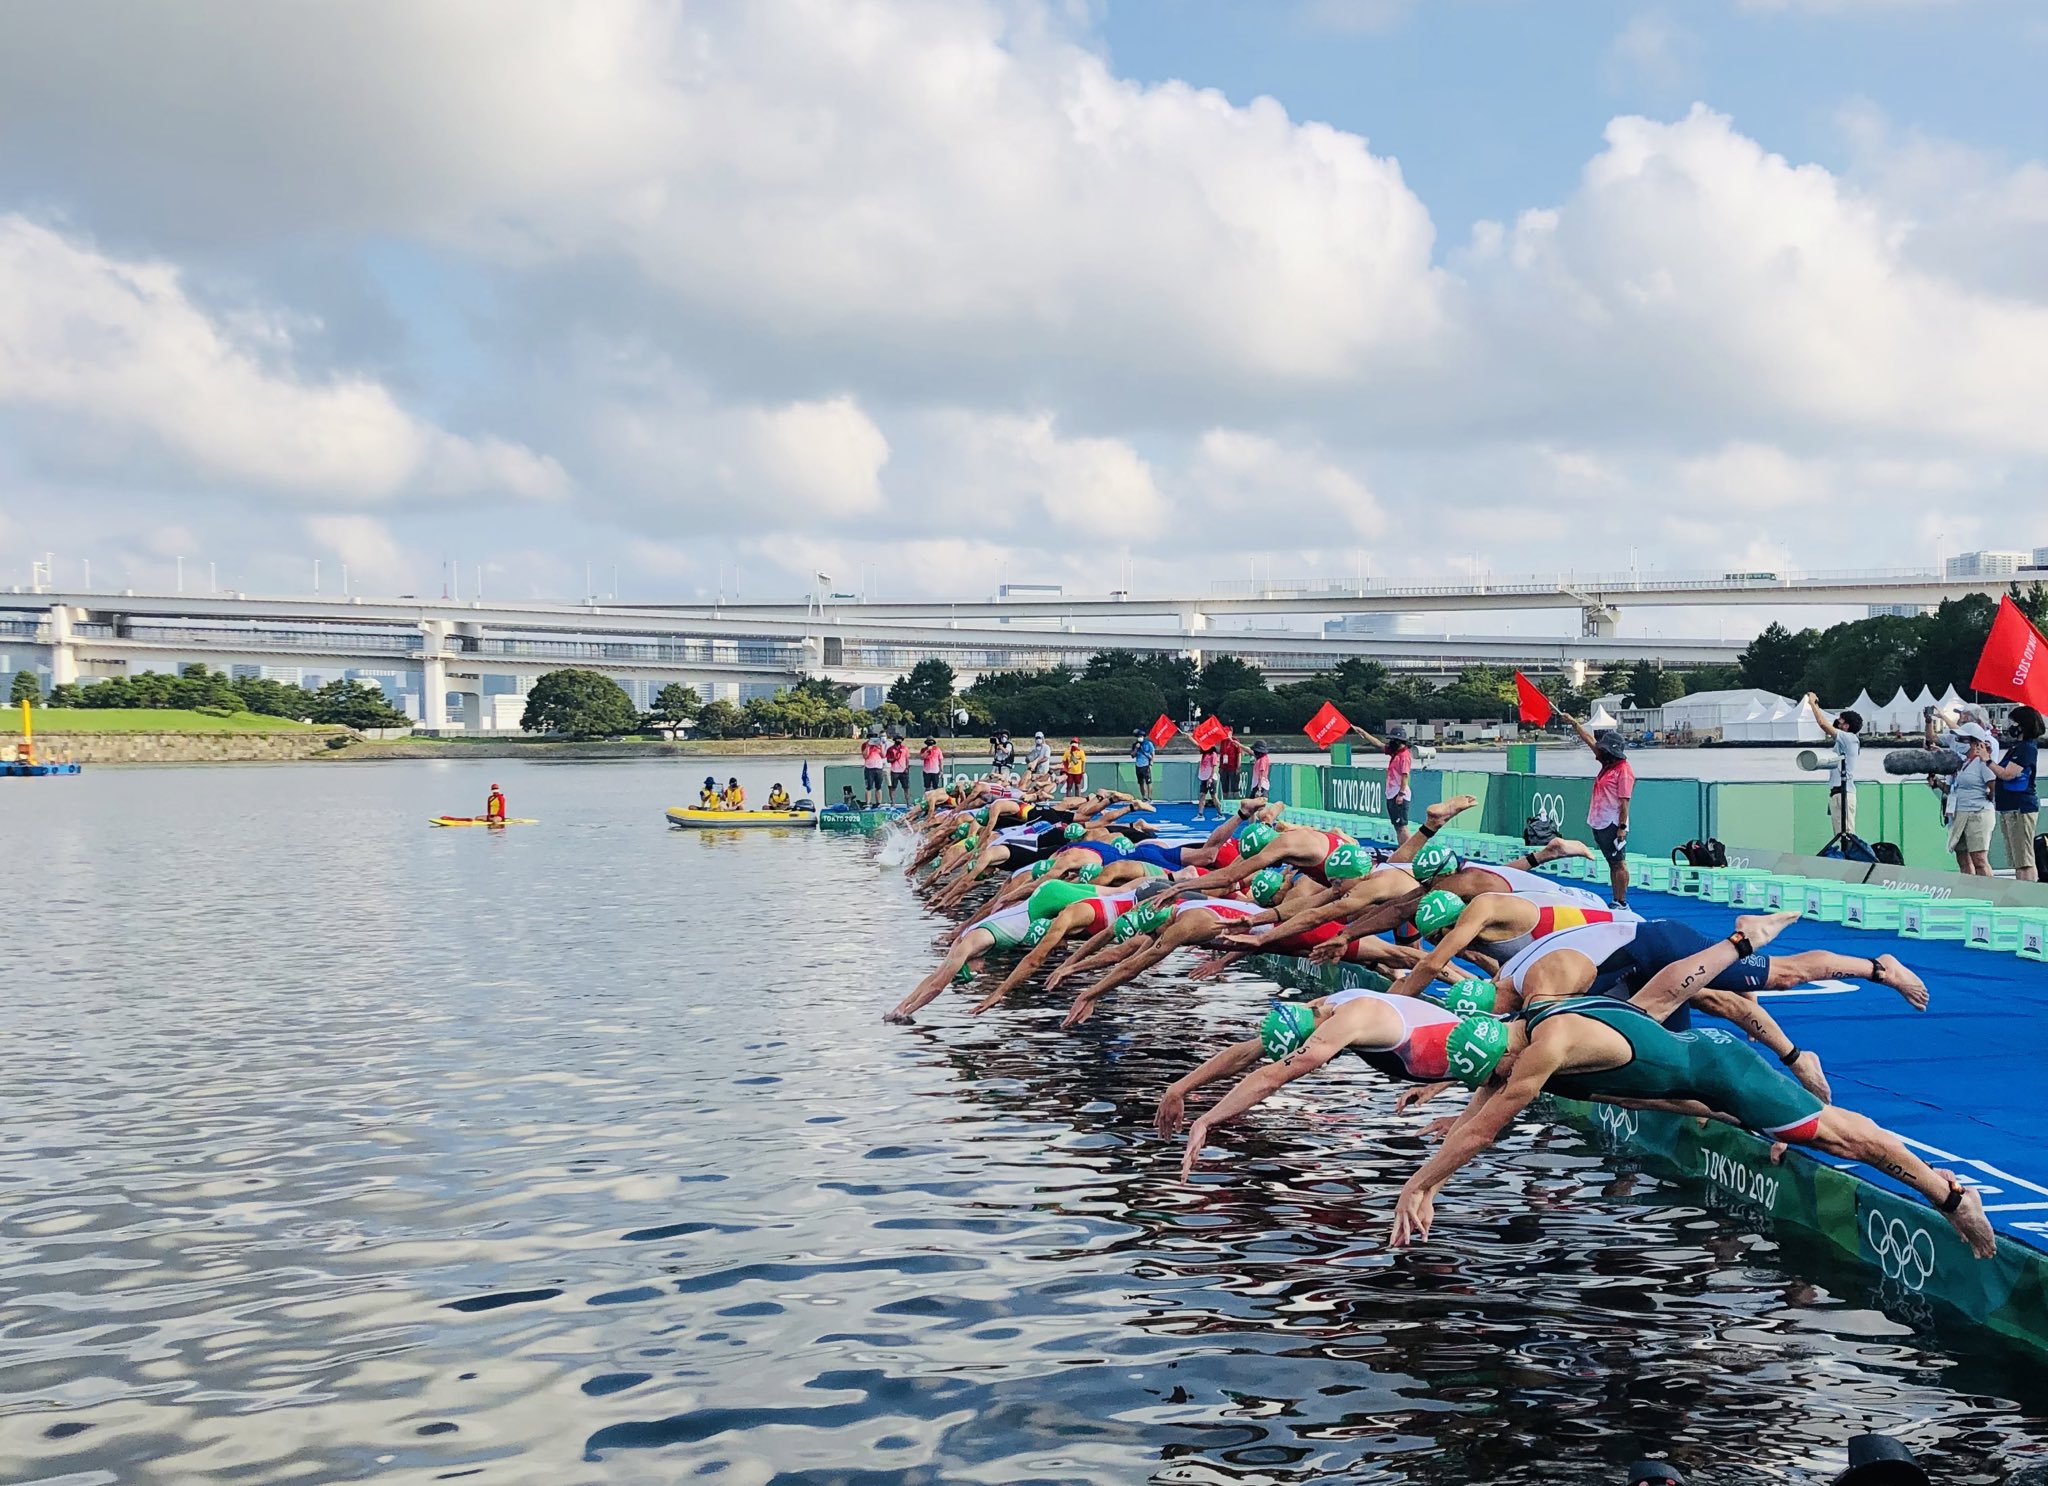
{"x":671,"y":299}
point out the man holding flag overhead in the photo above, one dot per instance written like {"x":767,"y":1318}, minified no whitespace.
{"x":2014,"y":665}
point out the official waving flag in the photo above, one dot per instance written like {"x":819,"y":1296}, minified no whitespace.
{"x":1163,"y":731}
{"x":2014,"y":664}
{"x":1327,"y":726}
{"x":1534,"y":705}
{"x":1208,"y":732}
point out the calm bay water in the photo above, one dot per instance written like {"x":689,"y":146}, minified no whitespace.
{"x":334,"y":1147}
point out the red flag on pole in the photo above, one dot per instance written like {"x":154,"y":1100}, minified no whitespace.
{"x":1163,"y":731}
{"x":1534,"y":705}
{"x":2014,"y":664}
{"x":1208,"y":733}
{"x":1327,"y":726}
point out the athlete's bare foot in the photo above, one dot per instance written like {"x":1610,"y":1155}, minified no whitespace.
{"x":1443,"y":812}
{"x":1560,"y":846}
{"x":1761,"y":928}
{"x":1969,"y":1220}
{"x":1776,"y":1155}
{"x":1899,"y":978}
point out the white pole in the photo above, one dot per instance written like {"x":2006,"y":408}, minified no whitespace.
{"x":88,"y":574}
{"x":316,"y":577}
{"x":479,"y":582}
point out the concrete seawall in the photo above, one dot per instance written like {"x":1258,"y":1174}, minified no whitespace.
{"x":181,"y":748}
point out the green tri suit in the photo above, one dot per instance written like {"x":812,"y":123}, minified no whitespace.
{"x":1706,"y":1064}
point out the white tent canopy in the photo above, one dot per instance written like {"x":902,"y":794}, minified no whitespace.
{"x":1951,"y":698}
{"x":1601,"y":720}
{"x":1900,"y":715}
{"x":1749,"y":716}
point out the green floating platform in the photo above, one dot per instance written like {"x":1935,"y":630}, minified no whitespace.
{"x":864,"y":821}
{"x":1915,"y":1260}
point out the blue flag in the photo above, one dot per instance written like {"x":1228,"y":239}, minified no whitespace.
{"x":805,"y":783}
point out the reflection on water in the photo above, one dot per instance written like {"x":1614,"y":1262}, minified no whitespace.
{"x":338,"y":1148}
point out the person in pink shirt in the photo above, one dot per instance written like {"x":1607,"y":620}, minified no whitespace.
{"x":874,"y":765}
{"x":1608,"y":815}
{"x":1205,"y":777}
{"x":933,"y":761}
{"x":1398,"y":792}
{"x":1262,"y":772}
{"x":898,"y":756}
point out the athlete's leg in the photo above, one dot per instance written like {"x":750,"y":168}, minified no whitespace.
{"x":1434,"y":819}
{"x":1843,"y":1132}
{"x":1675,"y":985}
{"x":1825,"y":964}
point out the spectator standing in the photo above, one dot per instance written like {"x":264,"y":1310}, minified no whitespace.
{"x":898,"y":757}
{"x":1039,"y":759}
{"x":2017,"y":799}
{"x":1142,"y":751}
{"x":933,"y":762}
{"x":873,"y":763}
{"x":1262,"y":771}
{"x":1969,"y":797}
{"x":1607,"y":816}
{"x":1400,"y":761}
{"x":1002,"y":753}
{"x":1232,"y":757}
{"x":1075,"y":765}
{"x":1843,"y":733}
{"x":1205,"y":778}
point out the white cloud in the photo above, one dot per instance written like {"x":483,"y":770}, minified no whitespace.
{"x":375,"y":559}
{"x":1697,"y":284}
{"x":118,"y":349}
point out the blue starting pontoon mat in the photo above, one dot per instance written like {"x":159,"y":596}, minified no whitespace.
{"x":1960,"y":1081}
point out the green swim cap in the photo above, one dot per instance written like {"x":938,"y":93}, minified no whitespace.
{"x":1152,"y":869}
{"x":964,"y":974}
{"x":1144,"y":918}
{"x":1266,"y":886}
{"x":1039,"y":869}
{"x":1075,"y":831}
{"x":1474,"y":1049}
{"x":1255,"y":838}
{"x":1346,"y":862}
{"x":1037,"y":932}
{"x":1437,"y":911}
{"x":1090,"y":872}
{"x":962,"y":831}
{"x":1432,"y":862}
{"x":1469,"y":996}
{"x":1287,"y":1026}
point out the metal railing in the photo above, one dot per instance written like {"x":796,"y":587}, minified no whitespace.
{"x":338,"y":641}
{"x":772,"y":655}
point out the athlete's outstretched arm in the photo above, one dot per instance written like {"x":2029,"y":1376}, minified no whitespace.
{"x":1173,"y":1103}
{"x":1084,"y":1002}
{"x":1490,"y":1113}
{"x":1329,"y":1040}
{"x":1478,"y":916}
{"x":1089,"y":948}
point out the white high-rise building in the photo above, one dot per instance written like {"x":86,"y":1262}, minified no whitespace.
{"x":1985,"y":564}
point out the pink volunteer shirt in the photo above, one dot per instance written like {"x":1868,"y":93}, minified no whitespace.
{"x":1615,"y":783}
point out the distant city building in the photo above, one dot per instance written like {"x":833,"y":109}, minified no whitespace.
{"x":1373,"y":624}
{"x":2040,"y":558}
{"x":1900,"y":611}
{"x":1987,"y":564}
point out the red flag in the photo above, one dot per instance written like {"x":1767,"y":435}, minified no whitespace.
{"x":1208,"y":733}
{"x":1327,"y":726}
{"x":1163,"y":731}
{"x":1534,"y":705}
{"x":2014,"y":664}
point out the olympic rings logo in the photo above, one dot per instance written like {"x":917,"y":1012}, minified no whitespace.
{"x":1619,"y":1124}
{"x":1550,"y":807}
{"x":1905,"y":1251}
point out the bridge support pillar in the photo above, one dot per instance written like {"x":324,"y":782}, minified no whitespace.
{"x":1193,"y":621}
{"x":434,"y":675}
{"x":63,"y":656}
{"x":1599,"y":621}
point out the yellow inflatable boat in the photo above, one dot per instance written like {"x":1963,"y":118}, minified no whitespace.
{"x":694,"y":818}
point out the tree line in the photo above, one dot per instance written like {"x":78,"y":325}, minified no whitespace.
{"x":195,"y":688}
{"x":1884,"y":652}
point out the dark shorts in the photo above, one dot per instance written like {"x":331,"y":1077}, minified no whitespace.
{"x":1208,"y":789}
{"x":1144,"y":773}
{"x":1608,"y":839}
{"x":1397,"y":817}
{"x":931,"y":780}
{"x":876,"y":777}
{"x":1159,"y":856}
{"x":900,"y":781}
{"x":1664,"y":942}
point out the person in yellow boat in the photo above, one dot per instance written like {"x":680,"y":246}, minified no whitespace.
{"x":494,"y":804}
{"x":778,"y":798}
{"x":735,"y":797}
{"x":707,"y":797}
